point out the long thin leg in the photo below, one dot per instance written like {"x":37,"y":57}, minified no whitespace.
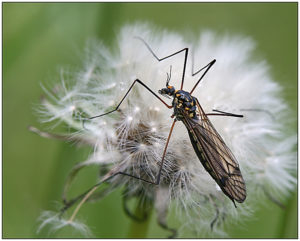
{"x":136,"y":81}
{"x":166,"y":227}
{"x":160,"y":59}
{"x":165,"y":150}
{"x":217,"y":213}
{"x":222,"y":113}
{"x":130,"y":214}
{"x":161,"y":164}
{"x":84,"y":196}
{"x":260,"y":110}
{"x":184,"y":65}
{"x":108,"y":176}
{"x":207,"y":68}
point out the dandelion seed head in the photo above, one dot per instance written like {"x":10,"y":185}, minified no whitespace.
{"x":133,"y":138}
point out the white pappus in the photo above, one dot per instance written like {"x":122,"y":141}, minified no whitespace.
{"x":132,"y":139}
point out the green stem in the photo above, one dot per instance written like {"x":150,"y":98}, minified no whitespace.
{"x":140,"y":229}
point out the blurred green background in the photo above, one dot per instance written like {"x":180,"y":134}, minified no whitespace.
{"x":39,"y":38}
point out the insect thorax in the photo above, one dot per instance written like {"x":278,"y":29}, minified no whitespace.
{"x":184,"y":102}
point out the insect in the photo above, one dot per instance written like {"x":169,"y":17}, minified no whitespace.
{"x":208,"y":145}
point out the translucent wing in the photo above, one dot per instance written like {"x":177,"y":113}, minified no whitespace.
{"x":215,"y":156}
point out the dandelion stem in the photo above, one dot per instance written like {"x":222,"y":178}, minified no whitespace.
{"x":81,"y":203}
{"x":140,"y":229}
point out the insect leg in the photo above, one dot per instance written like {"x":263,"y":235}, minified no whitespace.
{"x":108,"y":176}
{"x":130,"y":214}
{"x":222,"y":113}
{"x":136,"y":81}
{"x":161,"y":164}
{"x":217,"y":213}
{"x":71,"y":202}
{"x":208,"y":66}
{"x":166,"y":227}
{"x":86,"y":195}
{"x":160,"y":59}
{"x":164,"y":153}
{"x":141,"y":83}
{"x":162,"y":198}
{"x":260,"y":110}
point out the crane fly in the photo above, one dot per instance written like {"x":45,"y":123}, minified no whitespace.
{"x":215,"y":156}
{"x":210,"y":148}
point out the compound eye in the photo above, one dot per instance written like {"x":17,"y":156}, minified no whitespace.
{"x":170,"y":87}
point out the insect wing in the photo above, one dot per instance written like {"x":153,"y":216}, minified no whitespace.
{"x":215,"y":156}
